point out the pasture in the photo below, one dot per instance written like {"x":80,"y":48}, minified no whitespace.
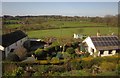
{"x":68,"y":32}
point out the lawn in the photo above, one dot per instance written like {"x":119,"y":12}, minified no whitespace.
{"x":68,"y":32}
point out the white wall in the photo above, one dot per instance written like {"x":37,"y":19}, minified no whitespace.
{"x":90,"y":44}
{"x":15,"y":45}
{"x":106,"y":53}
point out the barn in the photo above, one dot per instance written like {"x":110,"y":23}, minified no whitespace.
{"x":11,"y":41}
{"x":102,"y":45}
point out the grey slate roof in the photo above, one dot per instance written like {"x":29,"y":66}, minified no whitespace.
{"x":106,"y":42}
{"x":12,"y":37}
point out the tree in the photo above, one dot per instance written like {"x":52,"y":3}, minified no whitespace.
{"x":70,"y":50}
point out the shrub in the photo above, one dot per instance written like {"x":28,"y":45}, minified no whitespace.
{"x":66,"y":55}
{"x":108,"y":66}
{"x":40,"y":54}
{"x":107,"y":73}
{"x":57,"y":68}
{"x":118,"y":69}
{"x":97,"y":61}
{"x":113,"y":59}
{"x":50,"y":49}
{"x":37,"y":74}
{"x":75,"y":73}
{"x":75,"y":65}
{"x":56,"y":74}
{"x":70,"y":50}
{"x":13,"y":57}
{"x":41,"y":70}
{"x":86,"y":54}
{"x":86,"y":62}
{"x":75,"y":44}
{"x":18,"y":72}
{"x":55,"y":60}
{"x":57,"y":48}
{"x":59,"y":55}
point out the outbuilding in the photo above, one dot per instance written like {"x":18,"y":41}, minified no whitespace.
{"x":11,"y":41}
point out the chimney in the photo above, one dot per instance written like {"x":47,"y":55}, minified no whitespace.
{"x":98,"y":33}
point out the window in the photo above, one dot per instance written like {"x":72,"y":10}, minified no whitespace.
{"x":117,"y":51}
{"x":92,"y":50}
{"x":12,"y":50}
{"x":101,"y":52}
{"x":110,"y":52}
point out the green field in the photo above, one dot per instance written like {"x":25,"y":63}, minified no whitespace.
{"x":68,"y":32}
{"x":13,"y":25}
{"x":68,"y":24}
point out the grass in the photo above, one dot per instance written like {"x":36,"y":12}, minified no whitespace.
{"x":57,"y":24}
{"x":72,"y":23}
{"x":68,"y":32}
{"x":13,"y":25}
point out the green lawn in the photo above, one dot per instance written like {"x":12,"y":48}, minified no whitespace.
{"x":13,"y":25}
{"x":68,"y":32}
{"x":71,"y":23}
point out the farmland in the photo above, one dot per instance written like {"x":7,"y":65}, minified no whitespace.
{"x":60,"y":57}
{"x":68,"y":32}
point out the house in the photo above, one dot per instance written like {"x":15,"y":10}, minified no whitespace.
{"x":102,"y":45}
{"x":11,"y":41}
{"x":78,"y":36}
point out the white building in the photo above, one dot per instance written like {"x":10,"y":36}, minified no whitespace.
{"x":102,"y":45}
{"x":76,"y":36}
{"x":12,"y":41}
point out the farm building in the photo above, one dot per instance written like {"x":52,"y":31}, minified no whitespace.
{"x":11,"y":41}
{"x":78,"y":36}
{"x":102,"y":45}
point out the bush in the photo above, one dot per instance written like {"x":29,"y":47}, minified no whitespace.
{"x":108,"y":66}
{"x":66,"y":55}
{"x":57,"y":68}
{"x":75,"y":73}
{"x":118,"y":69}
{"x":70,"y":50}
{"x":41,"y":70}
{"x":40,"y":54}
{"x":55,"y":60}
{"x":59,"y":55}
{"x":75,"y":44}
{"x":57,"y":48}
{"x":18,"y":72}
{"x":75,"y":65}
{"x":113,"y":59}
{"x":86,"y":62}
{"x":86,"y":54}
{"x":97,"y":61}
{"x":50,"y":49}
{"x":13,"y":57}
{"x":107,"y":73}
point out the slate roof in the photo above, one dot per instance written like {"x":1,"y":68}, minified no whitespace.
{"x":106,"y":42}
{"x":12,"y":37}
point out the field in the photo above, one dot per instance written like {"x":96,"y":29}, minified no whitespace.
{"x":68,"y":32}
{"x":68,"y":24}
